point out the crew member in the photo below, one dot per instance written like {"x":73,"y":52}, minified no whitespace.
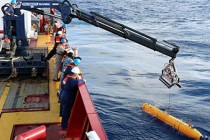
{"x":60,"y":50}
{"x":58,"y":37}
{"x":10,"y":10}
{"x":63,"y":28}
{"x":67,"y":66}
{"x":68,"y":96}
{"x":67,"y":59}
{"x":67,"y":71}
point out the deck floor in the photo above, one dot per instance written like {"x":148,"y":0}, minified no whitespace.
{"x":9,"y":97}
{"x":27,"y":94}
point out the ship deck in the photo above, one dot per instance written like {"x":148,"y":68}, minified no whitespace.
{"x":27,"y":103}
{"x":13,"y":95}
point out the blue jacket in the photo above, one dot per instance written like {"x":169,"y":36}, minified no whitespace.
{"x":10,"y":10}
{"x":67,"y":71}
{"x":66,"y":61}
{"x":71,"y":85}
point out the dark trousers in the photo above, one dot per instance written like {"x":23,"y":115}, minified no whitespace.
{"x":51,"y":53}
{"x":67,"y":101}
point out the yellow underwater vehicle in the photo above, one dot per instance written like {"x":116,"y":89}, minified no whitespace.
{"x":184,"y":128}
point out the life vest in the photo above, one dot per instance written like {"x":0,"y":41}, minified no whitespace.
{"x":57,"y":39}
{"x":34,"y":27}
{"x":68,"y":77}
{"x":4,"y":7}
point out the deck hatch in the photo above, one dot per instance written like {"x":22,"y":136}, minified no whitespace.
{"x":27,"y":95}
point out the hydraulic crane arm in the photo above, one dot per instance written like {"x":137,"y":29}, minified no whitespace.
{"x":128,"y":33}
{"x":69,"y":11}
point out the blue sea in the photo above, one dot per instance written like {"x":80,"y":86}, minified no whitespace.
{"x":122,"y":75}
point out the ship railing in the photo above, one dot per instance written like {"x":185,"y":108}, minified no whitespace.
{"x":84,"y":117}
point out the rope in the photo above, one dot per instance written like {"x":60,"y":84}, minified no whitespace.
{"x":169,"y":104}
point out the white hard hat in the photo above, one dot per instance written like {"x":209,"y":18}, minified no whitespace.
{"x":60,"y":32}
{"x":76,"y":70}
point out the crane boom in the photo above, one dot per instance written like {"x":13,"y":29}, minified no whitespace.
{"x":128,"y":33}
{"x":70,"y":11}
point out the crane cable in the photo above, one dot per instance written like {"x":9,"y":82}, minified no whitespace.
{"x":169,"y":104}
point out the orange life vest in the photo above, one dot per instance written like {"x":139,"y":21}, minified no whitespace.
{"x":34,"y":26}
{"x":57,"y":39}
{"x":68,"y":77}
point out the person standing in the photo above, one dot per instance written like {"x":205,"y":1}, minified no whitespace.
{"x":69,"y":67}
{"x":66,"y":69}
{"x":63,"y":28}
{"x":10,"y":10}
{"x":58,"y":38}
{"x":70,"y":82}
{"x":60,"y":50}
{"x":67,"y":59}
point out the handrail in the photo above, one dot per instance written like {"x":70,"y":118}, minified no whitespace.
{"x":84,"y":117}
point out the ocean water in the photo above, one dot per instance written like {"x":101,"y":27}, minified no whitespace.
{"x":122,"y":75}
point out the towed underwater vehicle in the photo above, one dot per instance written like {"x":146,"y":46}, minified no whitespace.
{"x":184,"y":128}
